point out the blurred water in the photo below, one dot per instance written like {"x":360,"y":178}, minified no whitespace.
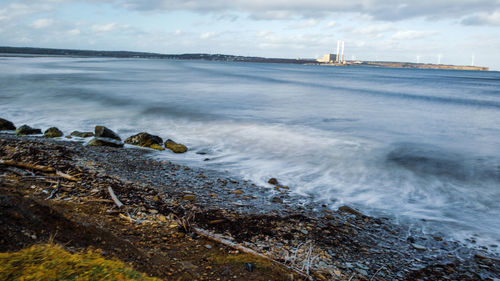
{"x":413,"y":144}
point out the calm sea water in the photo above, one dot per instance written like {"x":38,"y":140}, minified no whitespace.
{"x":416,"y":145}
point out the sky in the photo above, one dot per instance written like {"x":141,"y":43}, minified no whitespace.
{"x":461,"y":32}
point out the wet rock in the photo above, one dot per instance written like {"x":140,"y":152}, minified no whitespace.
{"x":97,"y":141}
{"x":6,"y":125}
{"x":53,"y":132}
{"x":146,"y":140}
{"x":103,"y":132}
{"x":27,"y":130}
{"x":189,"y":197}
{"x":273,"y":181}
{"x":82,"y":134}
{"x":349,"y":210}
{"x":418,"y":247}
{"x":175,"y":147}
{"x":250,"y":266}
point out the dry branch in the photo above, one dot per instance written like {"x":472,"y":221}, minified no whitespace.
{"x":113,"y":196}
{"x":241,"y":248}
{"x":20,"y":171}
{"x":66,"y":176}
{"x":27,"y":166}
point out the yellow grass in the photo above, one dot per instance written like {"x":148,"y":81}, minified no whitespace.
{"x":52,"y":262}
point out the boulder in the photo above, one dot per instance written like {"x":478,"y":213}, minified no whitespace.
{"x":273,"y":181}
{"x":97,"y":141}
{"x":27,"y":130}
{"x":82,"y":134}
{"x":6,"y":125}
{"x":175,"y":147}
{"x":53,"y":132}
{"x":103,"y":132}
{"x":146,"y":140}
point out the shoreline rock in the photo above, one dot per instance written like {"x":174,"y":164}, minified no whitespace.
{"x":175,"y":147}
{"x":146,"y":140}
{"x":98,"y":141}
{"x":82,"y":134}
{"x":53,"y":132}
{"x":27,"y":130}
{"x":6,"y":125}
{"x":103,"y":132}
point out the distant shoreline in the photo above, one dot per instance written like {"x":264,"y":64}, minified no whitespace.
{"x":222,"y":57}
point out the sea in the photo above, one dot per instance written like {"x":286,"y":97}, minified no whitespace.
{"x":421,"y":147}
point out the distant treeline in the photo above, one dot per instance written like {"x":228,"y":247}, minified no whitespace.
{"x":126,"y":54}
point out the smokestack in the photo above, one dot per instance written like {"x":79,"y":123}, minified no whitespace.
{"x":342,"y":56}
{"x":337,"y":59}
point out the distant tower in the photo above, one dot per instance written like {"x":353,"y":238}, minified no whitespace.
{"x":418,"y":59}
{"x":342,"y":53}
{"x":439,"y":58}
{"x":338,"y":50}
{"x":473,"y":57}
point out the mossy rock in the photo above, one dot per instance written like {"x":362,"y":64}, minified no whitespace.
{"x":103,"y":132}
{"x":146,"y":140}
{"x":175,"y":147}
{"x":53,"y":132}
{"x":97,"y":141}
{"x":82,"y":134}
{"x":6,"y":125}
{"x":27,"y":130}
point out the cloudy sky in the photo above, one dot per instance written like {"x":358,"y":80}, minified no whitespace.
{"x":449,"y":31}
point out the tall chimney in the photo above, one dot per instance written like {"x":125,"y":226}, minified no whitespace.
{"x":342,"y":56}
{"x":337,"y":59}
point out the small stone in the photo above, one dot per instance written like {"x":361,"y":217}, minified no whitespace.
{"x":349,"y":210}
{"x":237,"y":192}
{"x":27,"y":130}
{"x":53,"y":132}
{"x":304,"y":231}
{"x":418,"y":247}
{"x":6,"y":125}
{"x":97,"y":141}
{"x":175,"y":147}
{"x":250,"y":266}
{"x":189,"y":197}
{"x":103,"y":132}
{"x":82,"y":134}
{"x":156,"y":199}
{"x":208,"y":246}
{"x":273,"y":181}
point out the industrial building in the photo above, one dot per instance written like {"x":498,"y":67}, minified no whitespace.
{"x":334,"y":58}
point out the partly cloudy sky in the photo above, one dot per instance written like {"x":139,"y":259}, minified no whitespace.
{"x":452,"y":31}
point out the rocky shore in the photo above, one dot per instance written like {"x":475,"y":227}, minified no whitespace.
{"x":179,"y":223}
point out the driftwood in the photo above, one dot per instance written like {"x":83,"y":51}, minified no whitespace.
{"x":66,"y":176}
{"x":27,"y":166}
{"x":55,"y":191}
{"x":20,"y":172}
{"x":115,"y":199}
{"x":244,"y":249}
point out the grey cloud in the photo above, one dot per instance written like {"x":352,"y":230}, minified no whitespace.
{"x":390,"y":10}
{"x":483,"y":19}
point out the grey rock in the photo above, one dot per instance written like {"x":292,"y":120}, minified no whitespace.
{"x":418,"y":247}
{"x":103,"y":132}
{"x":6,"y":125}
{"x":27,"y":130}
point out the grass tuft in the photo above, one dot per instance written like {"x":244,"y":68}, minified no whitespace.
{"x":53,"y":262}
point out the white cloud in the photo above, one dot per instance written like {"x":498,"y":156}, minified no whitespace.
{"x":305,"y":24}
{"x":42,"y":23}
{"x":492,"y":18}
{"x":177,"y":32}
{"x":74,"y":32}
{"x":374,"y":31}
{"x":207,"y":35}
{"x":413,"y":34}
{"x":331,"y":23}
{"x":281,"y":9}
{"x":104,"y":27}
